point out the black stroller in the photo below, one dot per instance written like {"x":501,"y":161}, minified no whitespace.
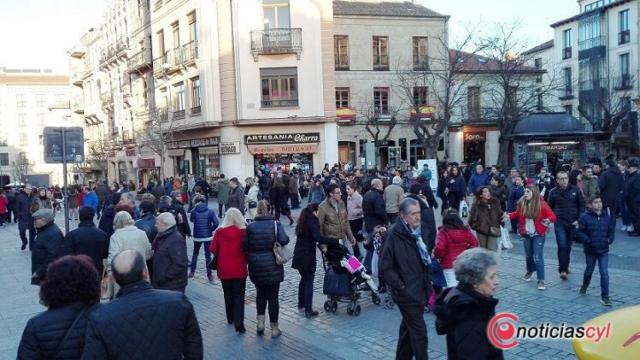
{"x":343,"y":285}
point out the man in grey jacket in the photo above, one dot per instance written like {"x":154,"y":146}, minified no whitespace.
{"x":392,"y":196}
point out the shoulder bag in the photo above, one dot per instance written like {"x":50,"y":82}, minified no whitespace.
{"x":281,"y":252}
{"x":106,"y":285}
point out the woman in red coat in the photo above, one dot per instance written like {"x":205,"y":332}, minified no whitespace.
{"x":534,"y":218}
{"x":232,"y":265}
{"x":453,"y":239}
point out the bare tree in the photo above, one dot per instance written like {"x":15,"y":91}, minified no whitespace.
{"x":20,"y":167}
{"x":99,"y":152}
{"x":607,"y":110}
{"x":158,"y":130}
{"x":377,"y":119}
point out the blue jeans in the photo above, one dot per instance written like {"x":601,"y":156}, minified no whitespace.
{"x":564,"y":237}
{"x":624,"y":211}
{"x":196,"y":250}
{"x":603,"y":266}
{"x":534,"y":252}
{"x":305,"y":290}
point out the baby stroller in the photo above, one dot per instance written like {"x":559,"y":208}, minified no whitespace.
{"x":345,"y":280}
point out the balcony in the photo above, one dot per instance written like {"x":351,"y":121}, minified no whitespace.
{"x":592,"y":48}
{"x":622,"y":82}
{"x":383,"y":116}
{"x":424,"y":112}
{"x":157,"y":5}
{"x":346,"y":115}
{"x":140,"y":61}
{"x":381,"y":62}
{"x":588,"y":85}
{"x":341,"y":61}
{"x":106,"y":98}
{"x":195,"y":110}
{"x":275,"y":103}
{"x":276,"y":41}
{"x":591,"y":43}
{"x":163,"y":115}
{"x":566,"y":53}
{"x":624,"y":37}
{"x":158,"y":65}
{"x":189,"y":52}
{"x":178,"y":114}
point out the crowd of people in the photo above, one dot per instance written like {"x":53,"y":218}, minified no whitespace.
{"x":135,"y":259}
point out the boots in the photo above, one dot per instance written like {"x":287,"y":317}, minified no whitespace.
{"x":260,"y":326}
{"x":275,"y":330}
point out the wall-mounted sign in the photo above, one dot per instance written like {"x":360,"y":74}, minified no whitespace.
{"x":556,"y":147}
{"x":185,"y":144}
{"x":475,"y":137}
{"x":230,"y":147}
{"x":295,"y":138}
{"x":283,"y":149}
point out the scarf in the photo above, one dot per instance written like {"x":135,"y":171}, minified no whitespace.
{"x":422,"y":247}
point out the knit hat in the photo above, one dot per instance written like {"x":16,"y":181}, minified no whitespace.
{"x":397,"y":180}
{"x":46,"y":214}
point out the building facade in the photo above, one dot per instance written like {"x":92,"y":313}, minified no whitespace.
{"x":29,"y":101}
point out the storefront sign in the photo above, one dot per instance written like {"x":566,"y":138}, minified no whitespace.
{"x":230,"y":147}
{"x":556,"y":147}
{"x":146,"y":163}
{"x":475,"y":137}
{"x":295,"y":138}
{"x":175,"y":152}
{"x":185,"y":144}
{"x":283,"y":149}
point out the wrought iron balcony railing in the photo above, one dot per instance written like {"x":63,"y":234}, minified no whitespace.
{"x":276,"y":41}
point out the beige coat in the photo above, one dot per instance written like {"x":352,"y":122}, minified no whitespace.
{"x":334,"y":224}
{"x":129,"y":237}
{"x":393,"y":195}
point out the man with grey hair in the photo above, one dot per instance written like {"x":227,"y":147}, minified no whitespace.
{"x":142,"y":322}
{"x":405,"y":267}
{"x":128,"y":199}
{"x":170,"y":257}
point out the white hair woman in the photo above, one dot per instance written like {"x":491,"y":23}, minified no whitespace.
{"x":127,"y":236}
{"x":251,"y":199}
{"x":463,"y":312}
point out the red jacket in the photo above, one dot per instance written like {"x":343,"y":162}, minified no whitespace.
{"x":451,"y":243}
{"x":541,"y":229}
{"x":81,"y":197}
{"x":3,"y":204}
{"x":227,"y":246}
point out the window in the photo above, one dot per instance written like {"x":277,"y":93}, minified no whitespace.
{"x":279,"y":87}
{"x":41,"y":119}
{"x":590,"y":32}
{"x":624,"y":35}
{"x":40,"y":100}
{"x":473,"y":102}
{"x":178,"y":98}
{"x":625,"y":78}
{"x":420,"y":96}
{"x":175,"y":30}
{"x":539,"y":102}
{"x":22,"y":120}
{"x":341,"y":52}
{"x":380,"y":53}
{"x":4,"y":159}
{"x":568,"y":109}
{"x":276,"y":14}
{"x":195,"y":96}
{"x":23,"y":140}
{"x":161,"y":47}
{"x":342,"y":97}
{"x":420,"y":53}
{"x":538,"y":65}
{"x":625,"y":103}
{"x":566,"y":44}
{"x":381,"y":100}
{"x":3,"y":139}
{"x":193,"y":27}
{"x":20,"y":101}
{"x":567,"y":82}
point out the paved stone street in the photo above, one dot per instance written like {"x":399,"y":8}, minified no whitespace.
{"x":373,"y":334}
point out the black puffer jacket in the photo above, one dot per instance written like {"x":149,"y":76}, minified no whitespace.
{"x":596,"y":232}
{"x":236,"y":199}
{"x":373,"y":209}
{"x":567,"y":204}
{"x":87,"y":239}
{"x":49,"y":245}
{"x":304,"y":254}
{"x":463,"y":315}
{"x":611,"y":183}
{"x":402,"y":269}
{"x":41,"y":338}
{"x":258,"y":245}
{"x":144,"y":323}
{"x":170,"y":261}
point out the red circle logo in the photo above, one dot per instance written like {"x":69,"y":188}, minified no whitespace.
{"x":501,"y":331}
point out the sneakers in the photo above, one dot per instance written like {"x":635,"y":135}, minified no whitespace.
{"x":583,"y":290}
{"x":310,"y":314}
{"x":541,"y":285}
{"x":564,"y":275}
{"x":624,"y":228}
{"x":605,"y":301}
{"x":527,"y":276}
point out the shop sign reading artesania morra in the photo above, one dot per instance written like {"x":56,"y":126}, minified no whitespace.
{"x":295,"y":138}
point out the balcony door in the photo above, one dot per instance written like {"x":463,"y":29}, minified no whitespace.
{"x":277,"y":24}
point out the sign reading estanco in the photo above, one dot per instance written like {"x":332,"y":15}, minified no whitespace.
{"x":295,"y":138}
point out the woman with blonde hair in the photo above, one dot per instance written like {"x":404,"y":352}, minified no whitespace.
{"x":534,"y":218}
{"x":251,"y":198}
{"x":231,"y":262}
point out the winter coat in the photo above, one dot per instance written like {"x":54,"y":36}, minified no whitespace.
{"x":516,"y":193}
{"x":632,"y":189}
{"x":476,"y":181}
{"x":72,"y":196}
{"x":23,"y":204}
{"x":567,"y":204}
{"x":596,"y":232}
{"x":42,"y":336}
{"x":427,"y":221}
{"x":457,"y":186}
{"x":258,"y":245}
{"x":88,"y":240}
{"x":90,"y":199}
{"x":129,"y":237}
{"x":316,"y":194}
{"x":49,"y":245}
{"x":103,"y":193}
{"x":158,"y":192}
{"x":500,"y":192}
{"x":147,"y":223}
{"x":4,"y":202}
{"x":427,"y":192}
{"x":590,"y":187}
{"x":279,"y":194}
{"x":451,"y":243}
{"x":227,"y":247}
{"x":204,"y":186}
{"x":106,"y":220}
{"x":541,"y":229}
{"x":334,"y":223}
{"x":354,"y":206}
{"x":236,"y":199}
{"x":485,"y":215}
{"x":463,"y":314}
{"x":402,"y":268}
{"x":170,"y":261}
{"x":38,"y":203}
{"x":373,"y":209}
{"x":223,"y":191}
{"x":204,"y":221}
{"x":252,"y":196}
{"x":611,"y":183}
{"x":392,"y":195}
{"x":144,"y":323}
{"x":293,"y":185}
{"x":304,"y":253}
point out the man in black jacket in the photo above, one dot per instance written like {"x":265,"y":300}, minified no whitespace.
{"x":87,"y":239}
{"x":611,"y":183}
{"x":373,"y":207}
{"x":48,"y":245}
{"x":405,"y":267}
{"x":142,"y":322}
{"x":632,"y":195}
{"x":170,"y":257}
{"x":25,"y":220}
{"x":567,"y":203}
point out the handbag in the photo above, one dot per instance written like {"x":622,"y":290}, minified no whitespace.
{"x":281,"y":252}
{"x":106,"y":286}
{"x":464,"y":209}
{"x":437,"y":275}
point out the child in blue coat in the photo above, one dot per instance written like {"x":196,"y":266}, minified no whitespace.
{"x":596,"y":232}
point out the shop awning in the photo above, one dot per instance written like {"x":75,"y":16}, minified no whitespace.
{"x":549,"y":124}
{"x":283,"y":149}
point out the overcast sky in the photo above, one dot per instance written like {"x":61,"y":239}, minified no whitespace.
{"x":38,"y":33}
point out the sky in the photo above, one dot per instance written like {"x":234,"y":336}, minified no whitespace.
{"x":38,"y":33}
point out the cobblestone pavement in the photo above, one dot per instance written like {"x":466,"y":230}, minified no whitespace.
{"x":373,"y":334}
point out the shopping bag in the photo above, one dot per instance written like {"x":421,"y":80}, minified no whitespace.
{"x":464,"y":209}
{"x":505,"y":238}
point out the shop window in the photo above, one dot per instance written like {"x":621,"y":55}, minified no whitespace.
{"x":380,"y":53}
{"x":381,"y":100}
{"x":342,"y":97}
{"x":420,"y":53}
{"x":341,"y":52}
{"x":279,"y":87}
{"x":4,"y":159}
